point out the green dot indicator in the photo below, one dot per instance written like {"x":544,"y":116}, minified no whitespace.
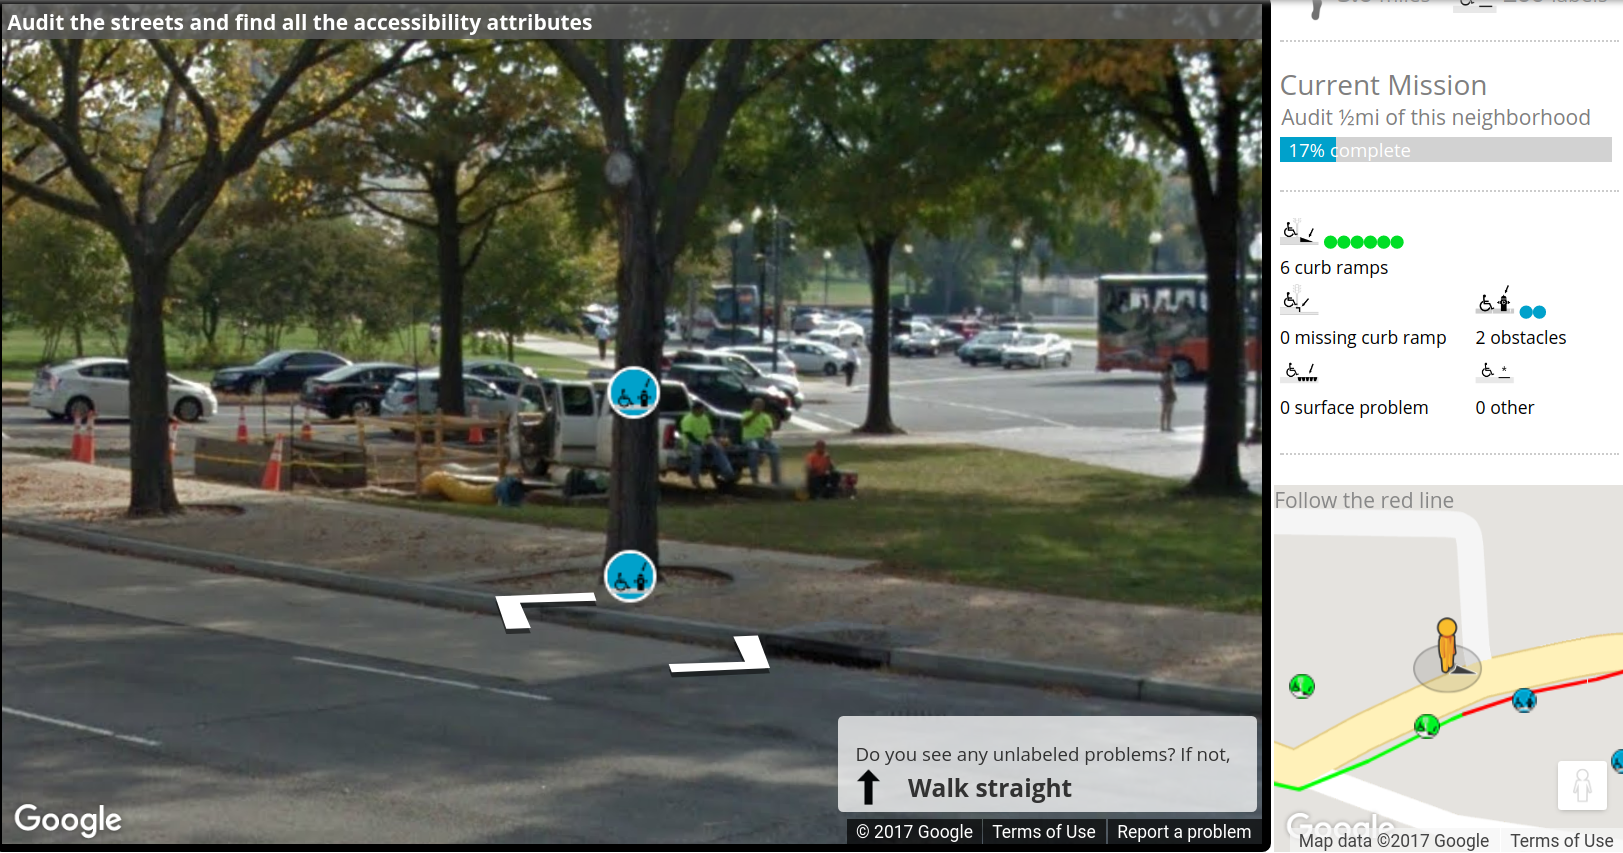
{"x":1342,"y":242}
{"x":1386,"y":241}
{"x":1369,"y":242}
{"x":1302,"y":686}
{"x":1329,"y":242}
{"x":1397,"y":242}
{"x":1427,"y":726}
{"x":1358,"y":242}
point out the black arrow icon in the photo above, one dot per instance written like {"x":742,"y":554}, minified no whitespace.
{"x":867,"y":779}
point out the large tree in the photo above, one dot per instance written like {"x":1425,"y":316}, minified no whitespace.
{"x":151,"y":132}
{"x":881,"y":137}
{"x":1203,"y":98}
{"x":63,"y":276}
{"x":665,"y":109}
{"x":446,"y":147}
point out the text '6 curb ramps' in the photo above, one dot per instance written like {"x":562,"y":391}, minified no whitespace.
{"x":512,"y":607}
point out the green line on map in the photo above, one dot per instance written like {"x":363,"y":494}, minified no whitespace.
{"x":1389,"y":750}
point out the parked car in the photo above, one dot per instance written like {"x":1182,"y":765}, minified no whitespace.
{"x":812,"y":356}
{"x":284,"y":370}
{"x":927,"y":340}
{"x":722,"y":336}
{"x":967,"y":329}
{"x":722,"y":386}
{"x":864,"y":321}
{"x":986,"y":348}
{"x":355,"y":389}
{"x":747,"y":370}
{"x":515,"y":379}
{"x":419,"y":391}
{"x":841,"y":333}
{"x":806,"y":319}
{"x":768,"y":359}
{"x":74,"y":389}
{"x":1018,"y":328}
{"x":1037,"y":351}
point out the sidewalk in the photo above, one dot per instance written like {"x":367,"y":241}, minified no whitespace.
{"x":567,"y":349}
{"x":757,"y":591}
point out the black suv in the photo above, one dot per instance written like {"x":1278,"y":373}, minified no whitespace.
{"x":722,"y":387}
{"x":356,"y":389}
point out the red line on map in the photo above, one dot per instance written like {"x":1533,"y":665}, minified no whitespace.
{"x":1559,"y":686}
{"x":1606,"y":676}
{"x":1486,"y":707}
{"x":1499,"y":702}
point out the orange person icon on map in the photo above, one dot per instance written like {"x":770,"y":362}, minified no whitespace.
{"x":1445,"y":643}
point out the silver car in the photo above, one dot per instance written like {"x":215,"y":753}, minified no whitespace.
{"x":74,"y":389}
{"x":1037,"y":351}
{"x":419,"y":392}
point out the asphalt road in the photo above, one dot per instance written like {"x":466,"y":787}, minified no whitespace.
{"x":927,"y":395}
{"x":224,"y":709}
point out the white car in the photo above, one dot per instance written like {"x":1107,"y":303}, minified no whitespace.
{"x":74,"y":389}
{"x":1037,"y":351}
{"x":813,"y":356}
{"x":841,"y":333}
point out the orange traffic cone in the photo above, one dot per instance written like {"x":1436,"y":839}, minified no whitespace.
{"x":77,"y":452}
{"x":174,"y":436}
{"x":88,"y":454}
{"x":476,"y":435}
{"x":242,"y":424}
{"x":272,"y":481}
{"x":305,"y":432}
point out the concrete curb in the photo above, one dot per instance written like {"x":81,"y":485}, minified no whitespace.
{"x":1110,"y":685}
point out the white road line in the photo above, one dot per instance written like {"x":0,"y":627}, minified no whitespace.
{"x":445,"y":681}
{"x":374,"y":670}
{"x":801,"y":420}
{"x":841,"y":421}
{"x":988,"y":409}
{"x":68,"y":724}
{"x":520,"y":694}
{"x":1407,"y":810}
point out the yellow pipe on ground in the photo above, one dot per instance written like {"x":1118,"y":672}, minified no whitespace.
{"x":442,"y":483}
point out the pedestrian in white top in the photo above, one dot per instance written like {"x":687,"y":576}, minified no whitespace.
{"x":853,"y":362}
{"x":602,"y":340}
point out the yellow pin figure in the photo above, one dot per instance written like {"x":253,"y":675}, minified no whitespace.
{"x":1445,"y":643}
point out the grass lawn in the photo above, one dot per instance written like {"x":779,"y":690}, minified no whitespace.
{"x":987,"y":518}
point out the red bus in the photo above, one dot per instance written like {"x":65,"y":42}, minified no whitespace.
{"x":1149,"y":321}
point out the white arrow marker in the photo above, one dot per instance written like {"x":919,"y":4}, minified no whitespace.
{"x":512,"y":607}
{"x":754,"y":662}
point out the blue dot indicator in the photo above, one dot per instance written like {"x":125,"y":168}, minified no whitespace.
{"x":634,"y":393}
{"x":1617,"y":761}
{"x":630,"y":576}
{"x":1526,"y":312}
{"x":1539,"y":312}
{"x":1524,"y":700}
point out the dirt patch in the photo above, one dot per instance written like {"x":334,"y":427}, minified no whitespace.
{"x":116,"y":515}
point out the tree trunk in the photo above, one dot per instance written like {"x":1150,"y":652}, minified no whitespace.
{"x":152,"y":479}
{"x":879,"y":421}
{"x":511,"y":339}
{"x":78,"y":342}
{"x":448,"y":242}
{"x":1218,"y":212}
{"x":642,"y":285}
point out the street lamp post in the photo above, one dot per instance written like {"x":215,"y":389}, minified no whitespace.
{"x":907,"y":298}
{"x":1155,"y":251}
{"x":734,"y":229}
{"x":828,"y":258}
{"x":760,"y":298}
{"x":1018,"y":247}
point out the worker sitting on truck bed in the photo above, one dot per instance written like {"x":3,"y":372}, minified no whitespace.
{"x":698,"y":437}
{"x":758,"y":426}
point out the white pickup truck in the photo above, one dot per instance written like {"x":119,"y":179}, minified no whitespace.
{"x":580,"y":429}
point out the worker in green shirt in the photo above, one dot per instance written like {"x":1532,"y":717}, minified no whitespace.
{"x":698,"y":436}
{"x":758,"y":427}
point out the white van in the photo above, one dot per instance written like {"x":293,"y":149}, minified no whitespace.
{"x":583,"y":434}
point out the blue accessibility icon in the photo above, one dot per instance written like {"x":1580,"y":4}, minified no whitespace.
{"x":1617,"y":761}
{"x":634,"y":393}
{"x":1524,"y":700}
{"x":630,"y":576}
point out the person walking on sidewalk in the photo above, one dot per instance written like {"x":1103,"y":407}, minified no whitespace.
{"x":602,"y":341}
{"x":853,"y":363}
{"x":1169,"y":395}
